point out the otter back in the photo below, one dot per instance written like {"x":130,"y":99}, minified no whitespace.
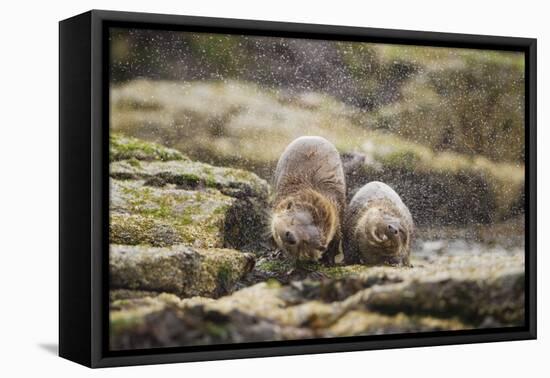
{"x":311,"y":162}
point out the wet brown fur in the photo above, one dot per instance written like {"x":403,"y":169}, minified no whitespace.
{"x":358,"y":250}
{"x":322,"y":209}
{"x":319,"y":191}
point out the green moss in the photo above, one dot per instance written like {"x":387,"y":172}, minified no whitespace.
{"x":134,"y":162}
{"x":401,"y":159}
{"x":119,"y":324}
{"x":273,"y":283}
{"x":225,"y":277}
{"x":126,"y":148}
{"x":343,"y":271}
{"x":274,"y":266}
{"x":160,"y":217}
{"x":444,"y":57}
{"x":191,"y":178}
{"x":135,"y":103}
{"x":136,"y":229}
{"x":211,"y":182}
{"x":217,"y":330}
{"x":390,"y":156}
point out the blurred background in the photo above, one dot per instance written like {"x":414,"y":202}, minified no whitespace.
{"x":443,"y":126}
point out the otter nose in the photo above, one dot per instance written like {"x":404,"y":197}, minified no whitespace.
{"x":290,"y":238}
{"x":392,"y":229}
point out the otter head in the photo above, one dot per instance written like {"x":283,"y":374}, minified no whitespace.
{"x":377,"y":230}
{"x":297,"y":232}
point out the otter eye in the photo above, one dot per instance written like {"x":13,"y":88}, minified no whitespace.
{"x":289,"y":206}
{"x":322,"y":248}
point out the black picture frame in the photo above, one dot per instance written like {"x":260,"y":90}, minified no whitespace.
{"x":83,"y":181}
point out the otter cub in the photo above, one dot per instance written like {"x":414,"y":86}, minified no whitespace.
{"x":309,"y":200}
{"x":378,"y":227}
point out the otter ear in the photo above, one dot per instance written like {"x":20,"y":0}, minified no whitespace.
{"x":289,"y":205}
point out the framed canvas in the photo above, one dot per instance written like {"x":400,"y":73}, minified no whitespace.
{"x":234,"y":188}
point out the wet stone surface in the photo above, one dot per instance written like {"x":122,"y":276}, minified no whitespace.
{"x":161,"y":203}
{"x":190,"y":264}
{"x":374,"y":301}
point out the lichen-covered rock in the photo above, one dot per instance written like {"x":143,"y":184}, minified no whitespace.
{"x":180,"y":269}
{"x":460,"y":100}
{"x":167,"y":215}
{"x":484,"y":302}
{"x":192,"y":175}
{"x":469,"y":293}
{"x":123,"y":295}
{"x":128,"y":148}
{"x":138,"y":229}
{"x":355,"y":323}
{"x":173,"y":326}
{"x":159,"y":197}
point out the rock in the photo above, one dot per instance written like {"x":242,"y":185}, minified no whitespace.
{"x":479,"y":288}
{"x":488,"y":190}
{"x":173,"y":327}
{"x":191,"y":175}
{"x":181,"y":221}
{"x":497,"y":300}
{"x":137,"y":229}
{"x":438,"y":111}
{"x":483,"y":292}
{"x":122,"y":295}
{"x":181,"y":270}
{"x":161,"y":198}
{"x":128,"y":148}
{"x":356,"y":323}
{"x":179,"y":276}
{"x":245,"y":126}
{"x":167,"y":215}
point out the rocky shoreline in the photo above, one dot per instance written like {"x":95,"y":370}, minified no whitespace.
{"x":190,"y":264}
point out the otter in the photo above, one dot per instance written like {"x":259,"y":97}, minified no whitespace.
{"x":378,"y":227}
{"x":309,"y":200}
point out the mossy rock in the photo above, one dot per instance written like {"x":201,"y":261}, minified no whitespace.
{"x":453,"y":292}
{"x":438,"y":187}
{"x":192,"y":175}
{"x":460,"y":100}
{"x":491,"y":302}
{"x":133,"y":149}
{"x":478,"y":287}
{"x":163,"y":216}
{"x":179,"y":269}
{"x":126,"y":296}
{"x":286,"y":271}
{"x":357,"y":323}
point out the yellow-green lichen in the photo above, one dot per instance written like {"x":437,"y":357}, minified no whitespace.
{"x":196,"y":218}
{"x":124,"y":148}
